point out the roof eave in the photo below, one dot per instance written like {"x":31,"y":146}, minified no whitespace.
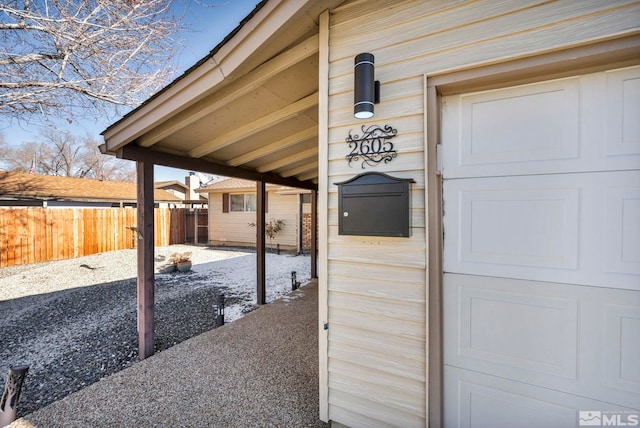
{"x":205,"y":76}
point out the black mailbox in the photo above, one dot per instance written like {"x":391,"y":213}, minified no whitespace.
{"x":374,"y":204}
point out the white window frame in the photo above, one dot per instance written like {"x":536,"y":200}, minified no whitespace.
{"x":246,"y":203}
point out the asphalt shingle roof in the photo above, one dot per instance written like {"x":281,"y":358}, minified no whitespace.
{"x":15,"y":185}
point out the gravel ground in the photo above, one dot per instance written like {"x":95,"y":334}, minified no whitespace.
{"x":258,"y":371}
{"x":74,"y":321}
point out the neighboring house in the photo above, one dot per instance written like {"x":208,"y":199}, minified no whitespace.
{"x":232,"y":208}
{"x":515,"y":298}
{"x":185,"y":191}
{"x":33,"y":190}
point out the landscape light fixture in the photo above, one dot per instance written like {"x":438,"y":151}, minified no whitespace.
{"x":219,"y":310}
{"x":366,"y":88}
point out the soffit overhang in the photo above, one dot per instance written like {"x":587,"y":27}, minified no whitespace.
{"x":250,"y":107}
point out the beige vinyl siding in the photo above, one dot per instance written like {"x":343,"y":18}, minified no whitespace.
{"x":376,"y":345}
{"x":287,"y":208}
{"x":233,"y":227}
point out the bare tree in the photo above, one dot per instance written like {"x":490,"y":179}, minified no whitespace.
{"x":63,"y":154}
{"x":3,"y":149}
{"x":73,"y":57}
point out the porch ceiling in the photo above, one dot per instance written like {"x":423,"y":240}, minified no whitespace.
{"x":250,"y":106}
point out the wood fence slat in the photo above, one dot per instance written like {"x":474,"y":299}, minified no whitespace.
{"x":121,"y":229}
{"x":57,"y":237}
{"x":117,"y":225}
{"x":11,"y":239}
{"x":108,"y":233}
{"x":100,"y":230}
{"x":48,"y":234}
{"x":160,"y":219}
{"x":165,"y":226}
{"x":62,"y":235}
{"x":41,"y":251}
{"x":66,"y":234}
{"x":42,"y":235}
{"x":73,"y":236}
{"x":94,"y":231}
{"x":113,"y":218}
{"x":18,"y":238}
{"x":67,"y":231}
{"x":91,"y":231}
{"x":54,"y":234}
{"x":156,"y":235}
{"x":77,"y":234}
{"x":126,"y":232}
{"x":131,"y":222}
{"x":29,"y":238}
{"x":108,"y":230}
{"x":87,"y":231}
{"x":58,"y":231}
{"x":173,"y":233}
{"x":38,"y":231}
{"x":33,"y":231}
{"x":33,"y":235}
{"x":112,"y":230}
{"x":11,"y":233}
{"x":29,"y":229}
{"x":44,"y":230}
{"x":4,"y":238}
{"x":24,"y":238}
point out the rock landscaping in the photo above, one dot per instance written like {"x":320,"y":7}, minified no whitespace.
{"x":74,"y":321}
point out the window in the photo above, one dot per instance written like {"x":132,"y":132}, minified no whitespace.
{"x":241,"y":202}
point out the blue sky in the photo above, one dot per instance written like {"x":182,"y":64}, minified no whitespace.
{"x":209,"y":21}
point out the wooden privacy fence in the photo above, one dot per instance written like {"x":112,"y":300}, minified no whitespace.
{"x":32,"y":235}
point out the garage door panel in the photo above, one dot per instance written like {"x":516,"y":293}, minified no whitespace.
{"x":537,"y":342}
{"x":621,"y":348}
{"x":550,"y":335}
{"x":541,"y":251}
{"x":489,"y":401}
{"x":580,"y":124}
{"x":623,"y":111}
{"x":503,"y":126}
{"x":496,"y":224}
{"x":541,"y":335}
{"x":574,"y":228}
{"x":623,"y":239}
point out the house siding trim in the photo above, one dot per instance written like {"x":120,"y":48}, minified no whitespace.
{"x":322,"y":202}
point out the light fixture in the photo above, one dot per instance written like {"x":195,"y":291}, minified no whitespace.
{"x":219,"y":310}
{"x":366,"y":89}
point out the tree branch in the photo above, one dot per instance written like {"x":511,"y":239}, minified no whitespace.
{"x":75,"y":56}
{"x":34,"y":57}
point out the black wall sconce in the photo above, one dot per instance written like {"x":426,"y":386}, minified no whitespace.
{"x":366,"y":89}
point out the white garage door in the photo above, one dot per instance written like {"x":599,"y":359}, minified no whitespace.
{"x":542,"y":253}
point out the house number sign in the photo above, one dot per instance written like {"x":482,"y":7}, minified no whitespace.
{"x":373,"y":146}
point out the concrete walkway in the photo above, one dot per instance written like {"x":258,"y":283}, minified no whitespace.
{"x":258,"y":371}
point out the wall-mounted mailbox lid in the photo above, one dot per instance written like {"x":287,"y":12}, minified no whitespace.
{"x":374,"y":204}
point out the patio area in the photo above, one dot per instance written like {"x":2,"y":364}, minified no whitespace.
{"x":260,"y":370}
